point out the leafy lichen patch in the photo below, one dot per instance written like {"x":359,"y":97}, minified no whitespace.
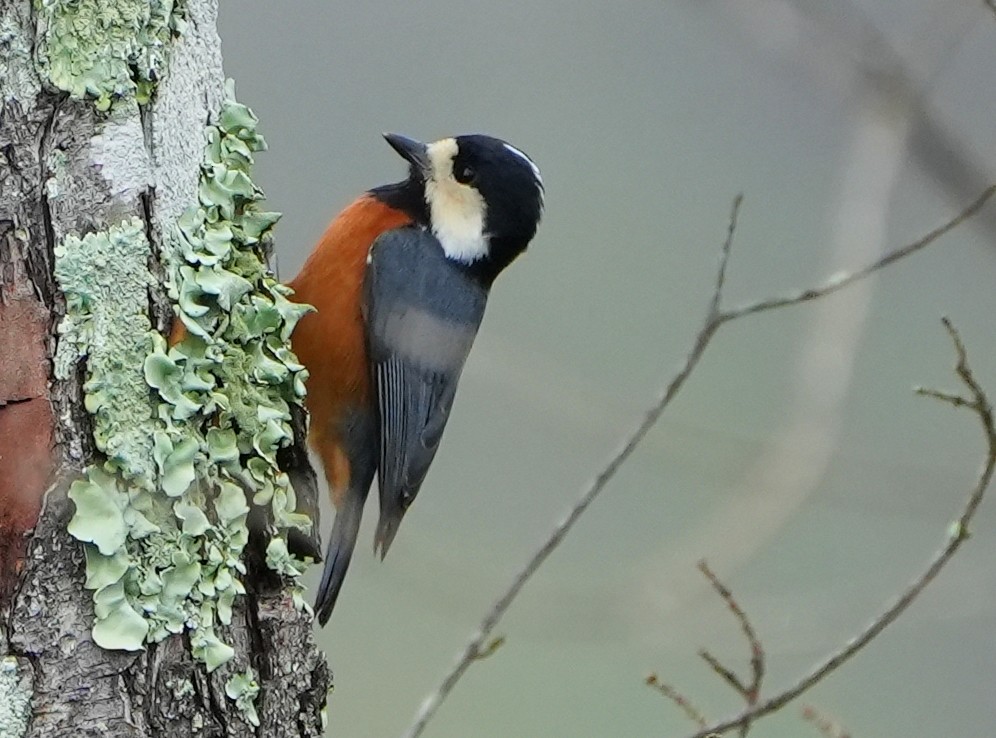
{"x":105,"y":279}
{"x":243,"y":689}
{"x":106,"y":49}
{"x":234,"y":365}
{"x":190,"y":432}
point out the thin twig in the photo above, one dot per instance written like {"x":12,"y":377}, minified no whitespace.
{"x":724,"y":673}
{"x":958,"y":533}
{"x":473,"y":648}
{"x":948,"y":397}
{"x":694,"y":713}
{"x":750,"y":692}
{"x":715,"y":319}
{"x":840,"y":281}
{"x":724,"y":259}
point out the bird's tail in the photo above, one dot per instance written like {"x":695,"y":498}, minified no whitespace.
{"x":387,"y":528}
{"x":339,"y":552}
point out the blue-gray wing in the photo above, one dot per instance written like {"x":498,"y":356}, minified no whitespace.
{"x":422,"y":313}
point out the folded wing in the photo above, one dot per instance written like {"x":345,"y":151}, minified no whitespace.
{"x":422,"y":313}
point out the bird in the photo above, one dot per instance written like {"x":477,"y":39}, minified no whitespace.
{"x":399,"y":282}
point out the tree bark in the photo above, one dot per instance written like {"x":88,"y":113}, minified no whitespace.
{"x":69,"y":168}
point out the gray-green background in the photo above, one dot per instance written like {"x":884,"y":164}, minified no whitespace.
{"x":796,"y":460}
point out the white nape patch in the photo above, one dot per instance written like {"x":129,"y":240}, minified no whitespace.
{"x":456,"y":210}
{"x":531,"y":163}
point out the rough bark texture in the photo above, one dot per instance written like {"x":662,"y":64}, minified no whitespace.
{"x":68,"y":169}
{"x":27,"y":299}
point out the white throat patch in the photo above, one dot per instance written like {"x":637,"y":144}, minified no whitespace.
{"x":456,"y":210}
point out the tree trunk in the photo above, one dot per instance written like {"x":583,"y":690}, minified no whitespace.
{"x":104,"y":112}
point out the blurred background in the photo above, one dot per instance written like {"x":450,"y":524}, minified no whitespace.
{"x":796,"y":460}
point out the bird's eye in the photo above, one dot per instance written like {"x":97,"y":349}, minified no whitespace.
{"x":464,"y":173}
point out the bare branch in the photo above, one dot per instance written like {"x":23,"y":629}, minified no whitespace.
{"x":724,"y":259}
{"x":715,"y":318}
{"x":957,"y":534}
{"x":748,"y":692}
{"x":726,"y":674}
{"x":677,"y":698}
{"x":751,"y":691}
{"x":948,"y":397}
{"x":845,"y":279}
{"x":473,"y":648}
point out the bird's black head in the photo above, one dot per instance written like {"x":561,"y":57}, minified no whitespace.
{"x":483,"y":198}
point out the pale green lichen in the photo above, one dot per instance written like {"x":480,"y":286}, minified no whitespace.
{"x":234,"y":365}
{"x":243,"y":689}
{"x":105,"y":279}
{"x":191,"y":431}
{"x":106,"y":49}
{"x":15,"y":698}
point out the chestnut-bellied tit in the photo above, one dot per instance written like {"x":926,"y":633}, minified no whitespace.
{"x":399,"y":281}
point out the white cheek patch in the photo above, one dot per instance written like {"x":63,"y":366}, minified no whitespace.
{"x":456,"y":211}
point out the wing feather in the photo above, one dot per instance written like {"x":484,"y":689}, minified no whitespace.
{"x":422,"y":313}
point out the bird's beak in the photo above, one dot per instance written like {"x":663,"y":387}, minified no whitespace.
{"x":414,"y":151}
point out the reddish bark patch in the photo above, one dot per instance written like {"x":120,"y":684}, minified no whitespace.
{"x":177,"y":332}
{"x":23,"y":358}
{"x":26,"y":431}
{"x":26,"y":465}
